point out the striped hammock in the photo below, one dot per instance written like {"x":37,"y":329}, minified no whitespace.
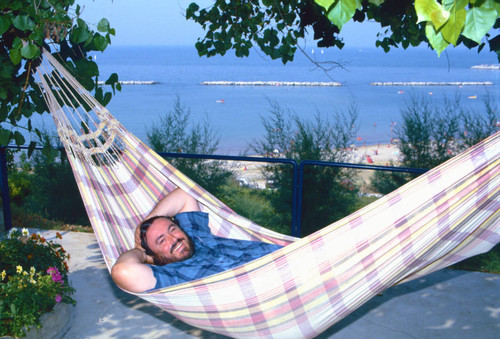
{"x":444,"y":216}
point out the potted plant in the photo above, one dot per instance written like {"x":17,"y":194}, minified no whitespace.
{"x":33,"y":280}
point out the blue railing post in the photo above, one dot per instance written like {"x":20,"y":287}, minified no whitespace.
{"x":4,"y":186}
{"x":297,"y":200}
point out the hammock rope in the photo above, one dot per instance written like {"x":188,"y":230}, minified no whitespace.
{"x":444,"y":216}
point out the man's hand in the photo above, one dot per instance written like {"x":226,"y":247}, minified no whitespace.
{"x":137,"y":238}
{"x":148,"y":259}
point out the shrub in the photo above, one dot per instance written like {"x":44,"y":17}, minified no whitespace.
{"x":385,"y":182}
{"x":253,"y":204}
{"x":44,"y":186}
{"x":488,"y":262}
{"x":428,"y":133}
{"x":174,"y":134}
{"x":431,"y":134}
{"x":54,"y":192}
{"x":477,"y":127}
{"x":20,"y":186}
{"x":34,"y":278}
{"x":20,"y":178}
{"x":329,"y":193}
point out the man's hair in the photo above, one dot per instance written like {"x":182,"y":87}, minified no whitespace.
{"x":144,"y":229}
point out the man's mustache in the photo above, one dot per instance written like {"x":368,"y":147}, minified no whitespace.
{"x":175,"y":244}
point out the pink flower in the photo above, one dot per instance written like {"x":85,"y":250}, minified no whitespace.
{"x":58,"y":298}
{"x":56,"y":276}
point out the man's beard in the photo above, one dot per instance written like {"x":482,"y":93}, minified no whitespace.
{"x":160,"y":259}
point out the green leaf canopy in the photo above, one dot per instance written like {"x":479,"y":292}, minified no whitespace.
{"x":25,"y":27}
{"x":276,"y":27}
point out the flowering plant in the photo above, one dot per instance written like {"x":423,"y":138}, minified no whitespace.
{"x":33,"y":279}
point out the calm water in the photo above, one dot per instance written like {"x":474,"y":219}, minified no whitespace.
{"x":238,"y":120}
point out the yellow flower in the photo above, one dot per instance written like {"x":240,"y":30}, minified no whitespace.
{"x":3,"y":274}
{"x":32,"y":270}
{"x":19,"y":269}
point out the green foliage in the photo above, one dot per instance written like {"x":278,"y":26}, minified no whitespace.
{"x":45,"y":186}
{"x":340,"y":11}
{"x":254,"y":204}
{"x":22,"y":217}
{"x":34,"y":277}
{"x":431,"y":134}
{"x":477,"y":127}
{"x":329,"y":192}
{"x":386,"y":182}
{"x":276,"y":26}
{"x":487,"y":262}
{"x":20,"y":180}
{"x":25,"y":27}
{"x":175,"y":134}
{"x":446,"y":22}
{"x":55,"y":194}
{"x":19,"y":186}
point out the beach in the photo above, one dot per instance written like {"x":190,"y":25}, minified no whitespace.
{"x":379,"y":154}
{"x":250,"y":173}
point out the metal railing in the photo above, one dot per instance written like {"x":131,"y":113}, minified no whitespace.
{"x":297,"y":186}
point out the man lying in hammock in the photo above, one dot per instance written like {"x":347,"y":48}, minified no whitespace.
{"x":171,"y":251}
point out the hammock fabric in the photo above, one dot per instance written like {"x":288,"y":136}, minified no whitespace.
{"x":444,"y":216}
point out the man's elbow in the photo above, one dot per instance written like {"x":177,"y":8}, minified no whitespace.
{"x":132,"y":278}
{"x":119,"y":274}
{"x":123,"y":277}
{"x":190,"y":204}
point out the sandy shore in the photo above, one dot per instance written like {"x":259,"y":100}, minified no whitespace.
{"x":381,"y":154}
{"x":249,"y":173}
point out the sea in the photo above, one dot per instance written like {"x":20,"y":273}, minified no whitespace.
{"x":236,"y":113}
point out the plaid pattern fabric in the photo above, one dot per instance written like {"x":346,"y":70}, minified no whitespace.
{"x":446,"y":215}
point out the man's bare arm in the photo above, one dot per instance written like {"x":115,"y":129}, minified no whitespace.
{"x":175,"y":202}
{"x":131,"y":273}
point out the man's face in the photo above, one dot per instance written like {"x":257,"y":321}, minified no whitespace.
{"x":169,"y":242}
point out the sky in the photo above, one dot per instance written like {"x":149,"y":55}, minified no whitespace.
{"x":162,"y":22}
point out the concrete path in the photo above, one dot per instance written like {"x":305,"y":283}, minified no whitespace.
{"x":445,"y":304}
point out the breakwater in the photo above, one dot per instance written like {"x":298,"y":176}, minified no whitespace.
{"x":135,"y":82}
{"x":271,"y":83}
{"x":431,"y":83}
{"x":497,"y":67}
